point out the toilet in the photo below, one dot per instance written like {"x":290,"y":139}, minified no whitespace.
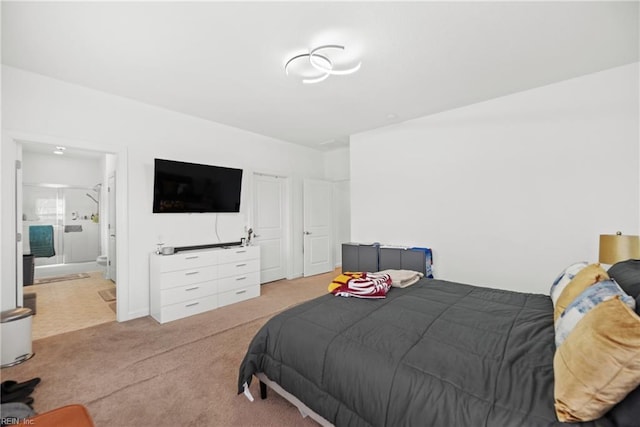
{"x":102,"y":262}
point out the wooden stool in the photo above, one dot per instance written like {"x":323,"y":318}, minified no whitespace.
{"x":67,"y":416}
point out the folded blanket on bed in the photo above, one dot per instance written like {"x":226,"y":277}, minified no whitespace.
{"x":361,"y":285}
{"x":402,"y":278}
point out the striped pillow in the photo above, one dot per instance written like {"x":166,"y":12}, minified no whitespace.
{"x":587,"y":300}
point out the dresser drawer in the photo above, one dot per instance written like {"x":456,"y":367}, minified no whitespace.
{"x":237,"y":295}
{"x":238,"y":268}
{"x":239,"y":254}
{"x":241,"y":281}
{"x":174,"y":279}
{"x":188,"y":308}
{"x":185,"y":260}
{"x":188,"y":292}
{"x":195,"y":281}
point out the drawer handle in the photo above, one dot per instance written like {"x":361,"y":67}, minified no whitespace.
{"x":192,"y":304}
{"x":192,"y":289}
{"x":241,"y":292}
{"x":241,"y":278}
{"x":241,"y":252}
{"x":241,"y":265}
{"x":191,"y":273}
{"x":192,"y":257}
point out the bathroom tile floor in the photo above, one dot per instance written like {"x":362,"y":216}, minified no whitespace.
{"x":70,"y":305}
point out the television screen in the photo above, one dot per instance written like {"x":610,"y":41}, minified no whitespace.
{"x":192,"y":187}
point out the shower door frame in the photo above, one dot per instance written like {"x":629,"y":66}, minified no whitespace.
{"x":60,"y":221}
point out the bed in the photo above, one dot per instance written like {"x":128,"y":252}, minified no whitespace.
{"x":437,"y":353}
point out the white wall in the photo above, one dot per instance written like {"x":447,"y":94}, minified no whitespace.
{"x":337,"y":164}
{"x":35,"y":105}
{"x":40,"y":168}
{"x":509,"y":191}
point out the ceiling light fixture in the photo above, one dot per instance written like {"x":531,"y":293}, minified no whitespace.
{"x":329,"y":70}
{"x":58,"y":152}
{"x":324,"y":76}
{"x":320,"y":64}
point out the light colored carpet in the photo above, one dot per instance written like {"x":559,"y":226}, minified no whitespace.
{"x":64,"y":278}
{"x":141,"y":373}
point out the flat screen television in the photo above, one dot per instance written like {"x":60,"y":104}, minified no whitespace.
{"x":180,"y":187}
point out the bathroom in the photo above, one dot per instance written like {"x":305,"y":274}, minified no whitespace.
{"x":66,"y":190}
{"x":73,"y":215}
{"x":66,"y":239}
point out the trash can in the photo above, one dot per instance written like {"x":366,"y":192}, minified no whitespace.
{"x":16,"y":336}
{"x":28,"y":268}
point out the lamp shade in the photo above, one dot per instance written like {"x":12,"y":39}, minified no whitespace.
{"x":616,"y":247}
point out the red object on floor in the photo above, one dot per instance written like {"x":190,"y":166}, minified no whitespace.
{"x":67,"y":416}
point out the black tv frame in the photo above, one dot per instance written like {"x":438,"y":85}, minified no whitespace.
{"x":181,"y":168}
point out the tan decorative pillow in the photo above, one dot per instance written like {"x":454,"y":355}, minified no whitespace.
{"x":599,"y":362}
{"x":586,"y":277}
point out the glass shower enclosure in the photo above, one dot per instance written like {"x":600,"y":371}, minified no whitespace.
{"x":71,"y":216}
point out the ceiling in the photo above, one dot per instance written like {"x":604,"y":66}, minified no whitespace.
{"x":68,"y":152}
{"x":223,"y":61}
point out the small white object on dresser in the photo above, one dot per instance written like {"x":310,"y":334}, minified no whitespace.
{"x":192,"y":282}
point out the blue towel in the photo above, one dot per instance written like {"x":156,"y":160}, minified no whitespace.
{"x":41,"y":241}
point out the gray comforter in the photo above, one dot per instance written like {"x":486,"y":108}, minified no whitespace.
{"x":435,"y":354}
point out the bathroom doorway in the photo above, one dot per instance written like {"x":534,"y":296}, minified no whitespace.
{"x":64,"y":214}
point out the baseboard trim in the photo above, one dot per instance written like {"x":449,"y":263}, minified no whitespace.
{"x":135,"y":315}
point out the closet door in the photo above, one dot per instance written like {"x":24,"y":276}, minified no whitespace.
{"x":318,"y":231}
{"x":269,"y":225}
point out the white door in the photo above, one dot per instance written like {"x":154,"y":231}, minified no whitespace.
{"x":19,"y":234}
{"x":317,"y":227}
{"x":341,"y":218}
{"x":269,"y":225}
{"x":111,"y":263}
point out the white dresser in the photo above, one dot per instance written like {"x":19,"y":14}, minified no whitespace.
{"x":192,"y":282}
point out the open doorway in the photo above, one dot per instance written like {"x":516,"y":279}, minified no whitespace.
{"x":64,"y":214}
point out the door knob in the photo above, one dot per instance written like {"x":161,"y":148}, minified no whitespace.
{"x":307,"y":233}
{"x":255,"y":235}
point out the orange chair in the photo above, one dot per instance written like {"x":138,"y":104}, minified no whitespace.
{"x":65,"y":416}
